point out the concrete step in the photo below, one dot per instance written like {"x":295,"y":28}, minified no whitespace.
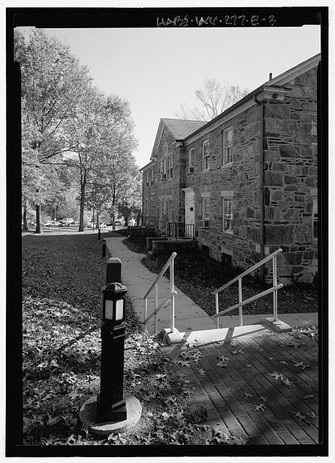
{"x":207,"y":336}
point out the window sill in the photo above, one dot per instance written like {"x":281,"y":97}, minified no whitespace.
{"x":226,"y":166}
{"x":227,"y":233}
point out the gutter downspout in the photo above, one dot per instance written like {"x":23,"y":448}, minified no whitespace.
{"x":261,"y":185}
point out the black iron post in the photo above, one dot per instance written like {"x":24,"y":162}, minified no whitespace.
{"x":111,"y":406}
{"x":103,"y":248}
{"x":99,"y":235}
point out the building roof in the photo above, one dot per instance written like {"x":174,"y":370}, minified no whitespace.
{"x":280,"y":80}
{"x":181,"y":128}
{"x":184,"y":130}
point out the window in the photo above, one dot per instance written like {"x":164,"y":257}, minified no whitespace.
{"x":162,"y":209}
{"x":205,"y":211}
{"x":163,"y":169}
{"x":315,"y":218}
{"x":169,"y":166}
{"x":190,"y":168}
{"x":205,"y":155}
{"x":314,"y":133}
{"x":227,"y":211}
{"x":314,"y":129}
{"x":227,"y":146}
{"x":152,"y":176}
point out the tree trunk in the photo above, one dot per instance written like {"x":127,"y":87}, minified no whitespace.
{"x":38,"y":219}
{"x":113,"y":216}
{"x":25,"y":223}
{"x":138,"y":218}
{"x":82,"y":201}
{"x":98,"y":219}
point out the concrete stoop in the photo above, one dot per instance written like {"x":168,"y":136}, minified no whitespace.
{"x":201,"y":337}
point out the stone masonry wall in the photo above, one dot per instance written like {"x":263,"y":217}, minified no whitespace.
{"x":290,"y":178}
{"x":169,"y":188}
{"x":290,"y":183}
{"x":240,"y":177}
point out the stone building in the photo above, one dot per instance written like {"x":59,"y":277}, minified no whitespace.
{"x":245,"y":183}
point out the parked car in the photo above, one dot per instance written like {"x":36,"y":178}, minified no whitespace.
{"x":67,"y":221}
{"x":53,"y":223}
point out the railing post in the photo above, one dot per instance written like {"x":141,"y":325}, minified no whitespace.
{"x":145,"y":312}
{"x":275,"y":295}
{"x":156,"y":306}
{"x":172,"y":294}
{"x":217,"y":310}
{"x":240,"y":299}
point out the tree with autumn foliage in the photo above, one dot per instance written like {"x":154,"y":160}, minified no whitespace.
{"x":52,"y":83}
{"x":102,"y":134}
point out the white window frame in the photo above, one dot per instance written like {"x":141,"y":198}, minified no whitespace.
{"x":227,"y":211}
{"x":227,"y":149}
{"x":205,"y":209}
{"x":163,"y":169}
{"x":205,"y":155}
{"x":170,"y":166}
{"x":190,"y":168}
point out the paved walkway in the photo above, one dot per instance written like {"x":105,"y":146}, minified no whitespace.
{"x":254,"y":384}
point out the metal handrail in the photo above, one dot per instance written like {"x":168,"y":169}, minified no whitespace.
{"x":250,"y":270}
{"x":173,"y":293}
{"x":275,"y":287}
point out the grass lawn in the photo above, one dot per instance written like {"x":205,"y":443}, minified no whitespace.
{"x":198,"y":276}
{"x":62,"y":282}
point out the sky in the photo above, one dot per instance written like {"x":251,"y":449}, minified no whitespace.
{"x":157,"y":70}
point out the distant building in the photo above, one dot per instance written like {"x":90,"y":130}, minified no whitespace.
{"x":245,"y":183}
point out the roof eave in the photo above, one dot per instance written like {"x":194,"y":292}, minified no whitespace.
{"x":227,"y":111}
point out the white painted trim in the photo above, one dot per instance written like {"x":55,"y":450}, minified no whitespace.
{"x":158,"y":137}
{"x":227,"y":193}
{"x":225,"y":118}
{"x":227,"y":251}
{"x":147,"y":166}
{"x":292,"y":73}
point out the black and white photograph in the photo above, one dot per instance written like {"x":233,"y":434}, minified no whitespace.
{"x":167,"y":231}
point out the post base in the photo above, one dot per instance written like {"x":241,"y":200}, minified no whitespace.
{"x":88,"y":417}
{"x":107,"y":415}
